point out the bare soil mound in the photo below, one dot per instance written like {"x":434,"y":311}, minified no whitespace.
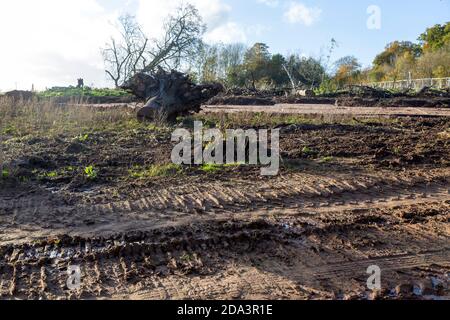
{"x":355,"y":97}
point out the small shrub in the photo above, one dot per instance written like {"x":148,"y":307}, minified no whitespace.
{"x":90,"y":172}
{"x":82,"y":137}
{"x":5,"y":174}
{"x":307,"y":150}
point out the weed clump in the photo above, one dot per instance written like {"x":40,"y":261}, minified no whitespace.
{"x":91,"y":173}
{"x":156,"y":170}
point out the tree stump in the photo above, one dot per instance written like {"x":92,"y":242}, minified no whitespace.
{"x":169,"y":94}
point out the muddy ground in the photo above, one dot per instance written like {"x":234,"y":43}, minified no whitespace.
{"x":351,"y":193}
{"x":354,"y":97}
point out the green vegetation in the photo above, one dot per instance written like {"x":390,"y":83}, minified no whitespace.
{"x":52,"y":174}
{"x":307,"y":151}
{"x":211,"y":167}
{"x":235,"y":65}
{"x":82,"y":137}
{"x":82,"y":92}
{"x":326,"y":159}
{"x":10,"y":130}
{"x":5,"y":174}
{"x":429,"y":58}
{"x":90,"y":172}
{"x":256,"y":67}
{"x":156,"y":170}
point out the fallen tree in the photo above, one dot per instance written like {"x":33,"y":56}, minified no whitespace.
{"x":169,"y":94}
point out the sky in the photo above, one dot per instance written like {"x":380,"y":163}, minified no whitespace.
{"x":49,"y":43}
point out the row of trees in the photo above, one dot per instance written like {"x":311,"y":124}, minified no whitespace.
{"x":428,"y":58}
{"x":181,"y":47}
{"x":255,"y":68}
{"x":235,"y":65}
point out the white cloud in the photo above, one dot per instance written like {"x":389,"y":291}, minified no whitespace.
{"x":300,"y":13}
{"x":230,"y":32}
{"x":270,"y":3}
{"x":52,"y":42}
{"x":215,"y":14}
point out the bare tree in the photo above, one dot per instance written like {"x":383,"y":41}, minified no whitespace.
{"x":125,"y":56}
{"x":181,"y":39}
{"x":133,"y":52}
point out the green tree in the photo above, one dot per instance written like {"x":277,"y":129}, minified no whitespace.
{"x":436,"y":37}
{"x":385,"y":63}
{"x":394,"y":50}
{"x":231,"y":60}
{"x":306,"y":71}
{"x":434,"y":64}
{"x":348,"y":71}
{"x":276,"y":71}
{"x":256,"y":63}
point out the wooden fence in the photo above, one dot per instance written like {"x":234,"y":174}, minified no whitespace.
{"x":415,"y":84}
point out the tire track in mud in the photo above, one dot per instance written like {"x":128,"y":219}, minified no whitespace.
{"x":291,"y":191}
{"x":239,"y":240}
{"x":190,"y":262}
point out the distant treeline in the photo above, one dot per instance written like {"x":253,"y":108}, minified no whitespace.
{"x":236,"y":65}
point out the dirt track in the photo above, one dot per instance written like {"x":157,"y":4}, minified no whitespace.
{"x":301,"y":236}
{"x":328,"y":109}
{"x":375,"y":193}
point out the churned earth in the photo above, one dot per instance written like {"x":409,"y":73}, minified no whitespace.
{"x":94,"y":188}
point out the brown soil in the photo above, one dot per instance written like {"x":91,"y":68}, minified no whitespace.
{"x":327,"y":110}
{"x":348,"y":196}
{"x":360,"y":97}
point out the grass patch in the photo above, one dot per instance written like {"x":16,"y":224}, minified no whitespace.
{"x":156,"y":170}
{"x":326,"y":159}
{"x":82,"y":92}
{"x":307,"y":151}
{"x":52,"y":174}
{"x":46,"y":118}
{"x":90,"y":173}
{"x":225,"y":121}
{"x":5,"y":174}
{"x":82,"y":137}
{"x":211,"y":167}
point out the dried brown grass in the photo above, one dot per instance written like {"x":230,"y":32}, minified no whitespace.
{"x":21,"y":118}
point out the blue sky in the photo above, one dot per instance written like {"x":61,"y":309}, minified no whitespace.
{"x":344,"y":20}
{"x":63,"y":37}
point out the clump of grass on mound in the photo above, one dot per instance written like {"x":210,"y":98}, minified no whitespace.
{"x":82,"y":92}
{"x":211,"y":168}
{"x":157,"y":170}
